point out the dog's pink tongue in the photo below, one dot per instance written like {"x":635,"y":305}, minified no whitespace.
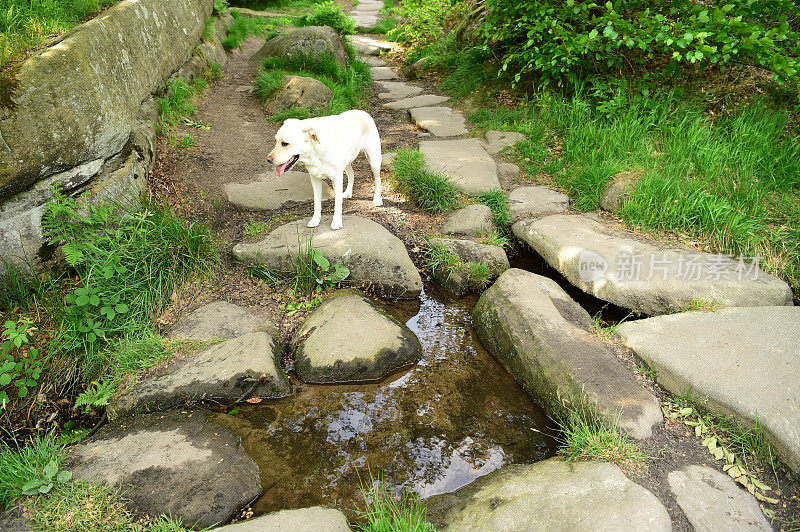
{"x":281,"y":169}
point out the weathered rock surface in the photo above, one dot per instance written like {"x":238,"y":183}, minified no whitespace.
{"x":423,"y":100}
{"x":712,"y":501}
{"x":440,"y":121}
{"x":507,"y":171}
{"x":301,"y":91}
{"x":471,"y":220}
{"x":350,"y":338}
{"x":386,"y":160}
{"x":395,"y":90}
{"x":416,"y":70}
{"x":618,"y":190}
{"x":104,"y":68}
{"x":611,"y":264}
{"x":373,"y":61}
{"x":464,"y":161}
{"x":376,"y":258}
{"x":497,"y":140}
{"x":316,"y":518}
{"x":218,"y":319}
{"x":311,"y":41}
{"x":550,"y":495}
{"x":542,"y":337}
{"x":525,"y":202}
{"x":744,"y":361}
{"x":458,"y":281}
{"x":382,"y":73}
{"x":274,"y":192}
{"x":174,"y":463}
{"x":364,"y":44}
{"x":14,"y":520}
{"x":232,"y":370}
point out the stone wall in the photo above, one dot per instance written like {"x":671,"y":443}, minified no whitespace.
{"x":80,"y":114}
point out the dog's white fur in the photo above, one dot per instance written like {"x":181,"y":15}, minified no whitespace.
{"x":327,"y":146}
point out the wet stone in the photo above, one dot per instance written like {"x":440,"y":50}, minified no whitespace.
{"x":316,"y":519}
{"x":218,"y":319}
{"x":271,"y":192}
{"x":423,"y":100}
{"x":395,"y":90}
{"x":525,"y":202}
{"x":350,"y":338}
{"x":440,"y":122}
{"x":457,"y":281}
{"x":464,"y":161}
{"x":472,"y":220}
{"x":382,"y":73}
{"x":497,"y":140}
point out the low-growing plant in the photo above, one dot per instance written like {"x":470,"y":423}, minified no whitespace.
{"x":329,"y":13}
{"x":20,"y":364}
{"x":293,"y":307}
{"x":494,"y":238}
{"x":49,"y":478}
{"x":605,"y":330}
{"x":312,"y":272}
{"x":97,"y":394}
{"x":440,"y":259}
{"x":242,"y":28}
{"x":187,"y":141}
{"x":498,"y":202}
{"x":221,"y":6}
{"x":385,"y":512}
{"x":24,"y":465}
{"x":428,"y":190}
{"x":176,"y":104}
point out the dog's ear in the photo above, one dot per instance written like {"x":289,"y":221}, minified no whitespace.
{"x":311,"y":134}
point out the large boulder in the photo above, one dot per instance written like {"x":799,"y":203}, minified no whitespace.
{"x":76,"y":101}
{"x":376,"y":258}
{"x":612,"y":264}
{"x":311,"y":41}
{"x":316,"y":518}
{"x":350,"y":338}
{"x":175,"y":463}
{"x":550,"y":495}
{"x":301,"y":91}
{"x":739,"y":362}
{"x":542,"y":337}
{"x":618,"y":190}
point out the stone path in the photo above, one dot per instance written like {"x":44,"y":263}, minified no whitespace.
{"x":271,"y":192}
{"x":464,"y":161}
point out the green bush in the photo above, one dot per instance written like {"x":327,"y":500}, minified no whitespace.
{"x":422,"y":22}
{"x":566,"y":40}
{"x":330,"y":14}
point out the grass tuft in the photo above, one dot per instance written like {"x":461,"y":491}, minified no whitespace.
{"x":385,"y":512}
{"x":18,"y":466}
{"x":330,"y":13}
{"x":428,"y":190}
{"x":244,"y":27}
{"x":497,"y":201}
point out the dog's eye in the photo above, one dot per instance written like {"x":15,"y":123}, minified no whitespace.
{"x":284,"y":143}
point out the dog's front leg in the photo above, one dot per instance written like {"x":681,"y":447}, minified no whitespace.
{"x":338,"y":183}
{"x":316,"y":185}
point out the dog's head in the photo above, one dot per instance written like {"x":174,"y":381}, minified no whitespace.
{"x":292,"y":143}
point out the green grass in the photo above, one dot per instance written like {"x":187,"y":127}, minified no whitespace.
{"x":462,"y":70}
{"x":244,"y":27}
{"x":176,"y":104}
{"x":385,"y":512}
{"x":438,"y":258}
{"x":292,"y":6}
{"x":431,"y":191}
{"x":497,"y":201}
{"x":26,"y":25}
{"x":494,"y":238}
{"x":329,"y":13}
{"x":18,"y":466}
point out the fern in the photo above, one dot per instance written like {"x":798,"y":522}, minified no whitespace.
{"x":73,"y":253}
{"x":98,"y":393}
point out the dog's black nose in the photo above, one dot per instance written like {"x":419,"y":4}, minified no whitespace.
{"x":270,"y":159}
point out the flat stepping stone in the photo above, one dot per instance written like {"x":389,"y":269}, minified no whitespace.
{"x":544,"y":339}
{"x":740,"y":362}
{"x":216,"y":320}
{"x":550,"y":495}
{"x":381,"y":73}
{"x":173,"y":463}
{"x":464,"y":161}
{"x":317,"y":518}
{"x":232,"y":370}
{"x":397,"y":89}
{"x":363,"y":21}
{"x":456,"y":281}
{"x":376,"y":258}
{"x":497,"y":140}
{"x":373,"y":61}
{"x":271,"y":192}
{"x":360,"y":42}
{"x":350,"y":338}
{"x":507,"y":171}
{"x":440,"y":121}
{"x":611,"y":264}
{"x":422,"y":100}
{"x":525,"y":202}
{"x":472,"y":220}
{"x":712,"y":501}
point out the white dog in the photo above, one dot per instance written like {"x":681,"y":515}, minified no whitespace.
{"x":327,"y":146}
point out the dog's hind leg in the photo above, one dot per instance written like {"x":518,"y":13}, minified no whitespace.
{"x":338,"y":184}
{"x":372,"y":148}
{"x":349,"y":192}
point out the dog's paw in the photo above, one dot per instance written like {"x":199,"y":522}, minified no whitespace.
{"x":377,"y":201}
{"x":336,"y":224}
{"x":348,"y":194}
{"x":313,"y":222}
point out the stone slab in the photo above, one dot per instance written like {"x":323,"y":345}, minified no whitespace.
{"x":612,"y":264}
{"x":316,"y":519}
{"x":740,"y":362}
{"x":382,"y":73}
{"x":271,"y":192}
{"x":423,"y":100}
{"x":497,"y":140}
{"x":472,"y":220}
{"x":714,"y":502}
{"x":440,"y":121}
{"x":373,"y":61}
{"x":376,"y":258}
{"x":369,"y":40}
{"x":175,"y":463}
{"x":396,"y":90}
{"x":525,"y":202}
{"x":386,"y":160}
{"x":464,"y":161}
{"x":365,"y":20}
{"x":544,"y":339}
{"x":550,"y":495}
{"x":218,"y":319}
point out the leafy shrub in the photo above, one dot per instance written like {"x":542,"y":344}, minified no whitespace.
{"x":330,"y":14}
{"x":563,"y":40}
{"x":422,"y":22}
{"x":428,"y":190}
{"x":20,"y":364}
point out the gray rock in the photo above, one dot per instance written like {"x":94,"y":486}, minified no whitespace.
{"x":739,"y":362}
{"x":218,"y":319}
{"x":550,"y":495}
{"x":367,"y":45}
{"x":618,"y":190}
{"x":382,"y":73}
{"x":542,"y":337}
{"x":301,"y":91}
{"x":365,"y":20}
{"x":14,"y":520}
{"x":414,"y":71}
{"x":386,"y":160}
{"x":497,"y":140}
{"x":350,"y":338}
{"x":440,"y":121}
{"x":274,"y":192}
{"x":458,"y":281}
{"x":232,"y":370}
{"x":423,"y":100}
{"x":316,"y":518}
{"x":374,"y":61}
{"x":525,"y":202}
{"x":174,"y":463}
{"x":472,"y":220}
{"x":713,"y":502}
{"x":311,"y":41}
{"x":611,"y":264}
{"x":507,"y":171}
{"x":463,"y":161}
{"x":397,"y":89}
{"x":376,"y":258}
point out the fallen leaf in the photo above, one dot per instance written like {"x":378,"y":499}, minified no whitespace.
{"x":254,"y":400}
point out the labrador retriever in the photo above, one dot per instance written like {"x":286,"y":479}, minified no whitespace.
{"x":327,"y":146}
